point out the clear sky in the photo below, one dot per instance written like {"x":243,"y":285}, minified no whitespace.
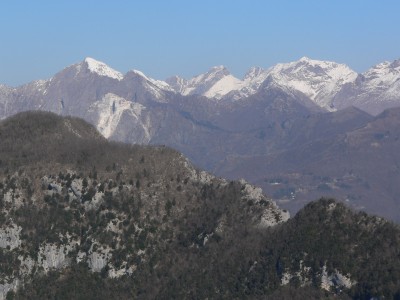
{"x":168,"y":37}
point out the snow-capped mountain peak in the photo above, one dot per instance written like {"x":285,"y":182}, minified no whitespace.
{"x":102,"y":69}
{"x":374,"y":90}
{"x":384,"y":73}
{"x":319,"y":80}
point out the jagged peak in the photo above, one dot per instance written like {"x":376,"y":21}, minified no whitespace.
{"x":176,"y":82}
{"x":216,"y":71}
{"x":253,"y":72}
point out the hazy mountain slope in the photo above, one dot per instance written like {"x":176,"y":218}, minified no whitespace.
{"x":210,"y":132}
{"x":356,"y":165}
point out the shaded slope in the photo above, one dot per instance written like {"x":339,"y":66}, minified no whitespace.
{"x":70,"y":200}
{"x":358,"y":165}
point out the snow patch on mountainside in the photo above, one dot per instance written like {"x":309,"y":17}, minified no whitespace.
{"x":385,"y":73}
{"x":223,"y":86}
{"x":216,"y":83}
{"x":102,"y":69}
{"x":110,"y":110}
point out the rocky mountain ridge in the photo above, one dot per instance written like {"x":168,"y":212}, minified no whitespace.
{"x":69,"y":196}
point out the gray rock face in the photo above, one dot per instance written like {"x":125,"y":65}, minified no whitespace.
{"x":9,"y":237}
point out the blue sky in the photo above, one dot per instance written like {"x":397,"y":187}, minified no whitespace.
{"x":163,"y":38}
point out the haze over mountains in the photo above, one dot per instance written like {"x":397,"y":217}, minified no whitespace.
{"x":276,"y":127}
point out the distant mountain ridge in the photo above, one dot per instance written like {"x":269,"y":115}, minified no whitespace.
{"x":318,"y":80}
{"x":330,"y":85}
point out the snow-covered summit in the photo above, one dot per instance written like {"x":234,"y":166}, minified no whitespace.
{"x":102,"y":69}
{"x":319,"y":80}
{"x":383,"y":74}
{"x":374,"y":90}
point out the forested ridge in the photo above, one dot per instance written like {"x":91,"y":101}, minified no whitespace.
{"x":83,"y":218}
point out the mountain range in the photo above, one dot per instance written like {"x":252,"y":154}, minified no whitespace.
{"x":275,"y":127}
